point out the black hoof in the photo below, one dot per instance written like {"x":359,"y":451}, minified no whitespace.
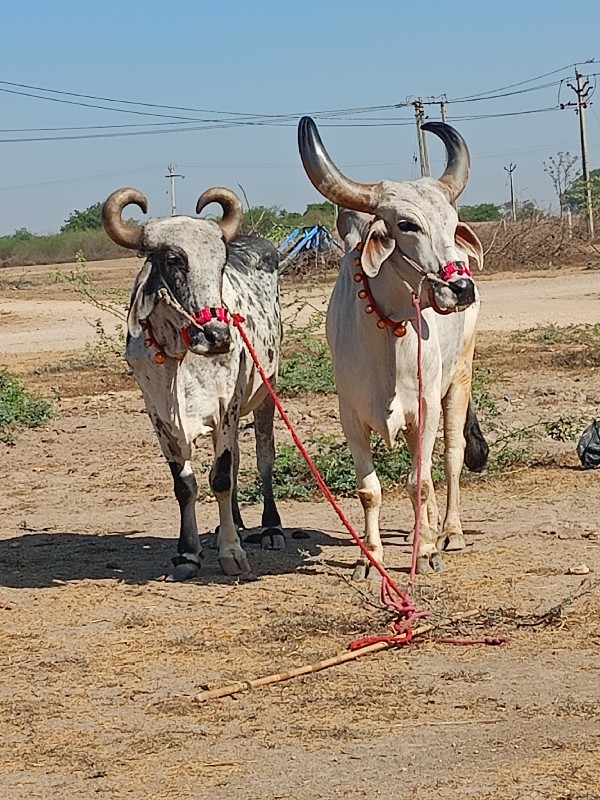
{"x":272,"y":539}
{"x":185,"y":569}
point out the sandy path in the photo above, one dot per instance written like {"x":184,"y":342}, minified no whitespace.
{"x":506,"y":304}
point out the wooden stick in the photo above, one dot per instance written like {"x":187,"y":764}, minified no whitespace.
{"x":308,"y":669}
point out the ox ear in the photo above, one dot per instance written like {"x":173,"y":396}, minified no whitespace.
{"x":467,"y":239}
{"x":142,"y":302}
{"x":378,"y":247}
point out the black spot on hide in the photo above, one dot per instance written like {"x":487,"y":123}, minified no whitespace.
{"x":221,"y":476}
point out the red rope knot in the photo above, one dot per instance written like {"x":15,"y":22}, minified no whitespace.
{"x":209,"y":313}
{"x":202,"y":317}
{"x":453,"y":268}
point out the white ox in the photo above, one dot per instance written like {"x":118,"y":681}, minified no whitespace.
{"x":193,"y":369}
{"x":404,"y":238}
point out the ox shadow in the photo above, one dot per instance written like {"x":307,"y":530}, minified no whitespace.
{"x":43,"y":559}
{"x":391,"y":540}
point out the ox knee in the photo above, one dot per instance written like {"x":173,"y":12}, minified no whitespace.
{"x":220,"y":476}
{"x":412,"y":491}
{"x":185,"y":486}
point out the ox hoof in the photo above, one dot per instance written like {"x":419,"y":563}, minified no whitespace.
{"x":236,"y":564}
{"x":429,"y":564}
{"x":272,"y":539}
{"x":361,"y":572}
{"x":183,"y":572}
{"x":451,"y":542}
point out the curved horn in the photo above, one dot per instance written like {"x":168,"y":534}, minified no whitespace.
{"x":456,"y":174}
{"x":233,"y":211}
{"x":130,"y":236}
{"x":326,"y":177}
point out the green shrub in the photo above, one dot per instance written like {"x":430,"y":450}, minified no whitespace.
{"x":293,"y":479}
{"x":18,"y":408}
{"x":306,"y":361}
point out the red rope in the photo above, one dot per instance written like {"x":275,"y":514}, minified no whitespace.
{"x":391,"y":596}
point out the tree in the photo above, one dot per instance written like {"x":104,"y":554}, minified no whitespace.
{"x":22,"y":235}
{"x":526,"y":209}
{"x":560,"y":169}
{"x":575,"y":195}
{"x":319,"y":214}
{"x":484,"y":212}
{"x":88,"y":220}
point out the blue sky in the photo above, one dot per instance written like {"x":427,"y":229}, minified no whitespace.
{"x":269,"y":58}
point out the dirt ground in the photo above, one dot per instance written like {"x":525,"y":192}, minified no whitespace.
{"x":100,"y":660}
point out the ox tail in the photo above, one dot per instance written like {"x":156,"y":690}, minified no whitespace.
{"x":476,"y":449}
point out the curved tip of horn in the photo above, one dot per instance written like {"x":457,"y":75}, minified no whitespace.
{"x":120,"y":232}
{"x":326,"y":177}
{"x":456,"y":174}
{"x":233,"y":210}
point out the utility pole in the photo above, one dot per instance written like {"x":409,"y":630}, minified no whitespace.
{"x":583,"y":89}
{"x":513,"y":207}
{"x":443,"y":110}
{"x":172,"y":175}
{"x":423,"y":152}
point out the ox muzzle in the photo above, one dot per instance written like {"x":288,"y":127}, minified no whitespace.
{"x":456,"y":290}
{"x":209,"y":334}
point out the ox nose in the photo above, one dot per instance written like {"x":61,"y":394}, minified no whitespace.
{"x":209,"y":339}
{"x":217,"y":336}
{"x":464,"y":289}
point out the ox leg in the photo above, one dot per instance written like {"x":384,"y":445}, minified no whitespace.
{"x":271,"y":537}
{"x":455,"y":405}
{"x":358,"y":437}
{"x":428,"y":558}
{"x":232,"y":558}
{"x":187,"y":562}
{"x":237,"y":514}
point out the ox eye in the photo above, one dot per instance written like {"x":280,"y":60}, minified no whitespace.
{"x":406,"y":226}
{"x":174,"y":260}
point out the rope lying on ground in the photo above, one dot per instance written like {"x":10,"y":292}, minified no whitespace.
{"x":341,"y":658}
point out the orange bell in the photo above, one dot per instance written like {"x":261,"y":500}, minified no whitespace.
{"x":381,"y":324}
{"x":357,"y":262}
{"x":359,"y":246}
{"x":362,"y":294}
{"x":358,"y":277}
{"x":369,"y":309}
{"x":160,"y":358}
{"x":400,"y":330}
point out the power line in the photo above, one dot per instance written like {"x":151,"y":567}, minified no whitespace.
{"x":232,"y":124}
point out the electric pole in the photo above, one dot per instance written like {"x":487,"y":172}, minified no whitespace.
{"x":513,"y":207}
{"x":172,"y":175}
{"x":583,"y":89}
{"x":423,"y":152}
{"x":443,"y":109}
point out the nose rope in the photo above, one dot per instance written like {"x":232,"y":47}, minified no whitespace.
{"x":198,"y":320}
{"x":399,"y":326}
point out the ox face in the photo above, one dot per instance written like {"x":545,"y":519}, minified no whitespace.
{"x":416,"y":223}
{"x":188,"y":257}
{"x":185,"y":258}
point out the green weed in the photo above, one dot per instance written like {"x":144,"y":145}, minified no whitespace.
{"x":306,"y":361}
{"x":19,"y":409}
{"x":293,"y":479}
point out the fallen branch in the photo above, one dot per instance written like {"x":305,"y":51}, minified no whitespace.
{"x":309,"y":669}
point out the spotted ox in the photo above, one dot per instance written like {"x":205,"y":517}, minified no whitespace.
{"x":191,"y":364}
{"x":403,"y":239}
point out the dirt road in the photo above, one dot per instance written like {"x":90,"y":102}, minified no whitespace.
{"x":100,"y":661}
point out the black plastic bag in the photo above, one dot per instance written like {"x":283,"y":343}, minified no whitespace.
{"x":588,"y":447}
